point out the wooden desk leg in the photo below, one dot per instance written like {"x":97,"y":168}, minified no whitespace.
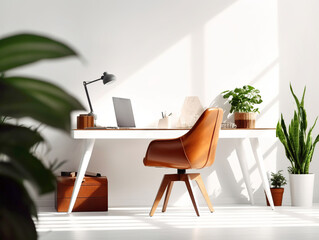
{"x":89,"y":144}
{"x":262,"y":170}
{"x":242,"y":157}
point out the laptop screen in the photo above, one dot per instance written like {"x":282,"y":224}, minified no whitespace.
{"x":123,"y":112}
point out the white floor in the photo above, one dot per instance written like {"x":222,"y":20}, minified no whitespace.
{"x":227,"y":222}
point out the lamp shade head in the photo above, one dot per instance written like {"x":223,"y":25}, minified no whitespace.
{"x":107,"y":78}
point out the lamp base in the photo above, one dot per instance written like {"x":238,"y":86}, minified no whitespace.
{"x":85,"y":121}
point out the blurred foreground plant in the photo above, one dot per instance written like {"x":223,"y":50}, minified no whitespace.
{"x":27,"y":97}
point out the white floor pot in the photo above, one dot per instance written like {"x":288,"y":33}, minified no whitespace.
{"x":301,"y":189}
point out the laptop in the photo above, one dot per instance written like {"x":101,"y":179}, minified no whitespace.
{"x":123,"y":112}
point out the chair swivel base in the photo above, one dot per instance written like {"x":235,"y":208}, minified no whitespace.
{"x":167,"y":184}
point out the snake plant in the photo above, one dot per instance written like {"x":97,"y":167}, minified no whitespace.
{"x":298,"y":143}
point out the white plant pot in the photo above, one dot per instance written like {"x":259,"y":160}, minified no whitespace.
{"x":301,"y":189}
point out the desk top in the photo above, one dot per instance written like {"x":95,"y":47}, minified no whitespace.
{"x":164,"y":133}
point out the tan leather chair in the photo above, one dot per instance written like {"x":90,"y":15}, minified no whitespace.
{"x":194,"y":150}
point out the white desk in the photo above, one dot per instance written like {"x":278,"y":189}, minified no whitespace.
{"x":253,"y":134}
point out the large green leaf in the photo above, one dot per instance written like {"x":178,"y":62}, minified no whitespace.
{"x":19,"y":136}
{"x":16,"y":208}
{"x":43,"y":101}
{"x":8,"y":172}
{"x":15,"y":143}
{"x":15,"y":225}
{"x":22,"y":49}
{"x":30,"y":168}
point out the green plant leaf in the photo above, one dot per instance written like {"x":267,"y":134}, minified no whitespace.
{"x":56,"y":164}
{"x":22,"y":49}
{"x":25,"y":166}
{"x":15,"y":211}
{"x":295,"y":136}
{"x":43,"y":101}
{"x":295,"y":97}
{"x":30,"y":168}
{"x":284,"y":140}
{"x":303,"y":97}
{"x":17,"y":226}
{"x":243,"y":99}
{"x":9,"y":173}
{"x":23,"y":136}
{"x":297,"y":142}
{"x":277,"y":179}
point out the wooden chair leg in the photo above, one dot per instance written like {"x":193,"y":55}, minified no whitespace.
{"x":188,"y":183}
{"x":167,"y":184}
{"x":168,"y":193}
{"x":202,"y":188}
{"x":159,"y":195}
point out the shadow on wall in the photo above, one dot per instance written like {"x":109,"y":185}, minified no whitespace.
{"x":231,"y":188}
{"x":221,"y":102}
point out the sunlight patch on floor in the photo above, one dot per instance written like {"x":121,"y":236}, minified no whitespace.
{"x":178,"y":218}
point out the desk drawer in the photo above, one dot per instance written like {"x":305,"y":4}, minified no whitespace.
{"x":64,"y":191}
{"x":82,"y":204}
{"x":92,"y":196}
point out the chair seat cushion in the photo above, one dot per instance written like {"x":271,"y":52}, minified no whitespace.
{"x":166,"y":153}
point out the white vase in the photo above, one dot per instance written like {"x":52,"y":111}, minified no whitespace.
{"x":301,"y":189}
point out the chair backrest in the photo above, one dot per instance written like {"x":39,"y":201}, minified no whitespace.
{"x":200,"y":142}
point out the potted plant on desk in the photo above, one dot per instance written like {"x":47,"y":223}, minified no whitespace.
{"x":242,"y":101}
{"x":299,"y":148}
{"x":277,"y":180}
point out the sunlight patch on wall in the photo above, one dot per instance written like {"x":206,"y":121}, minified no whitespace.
{"x":235,"y":166}
{"x":160,"y":84}
{"x":240,"y":43}
{"x":213,"y":185}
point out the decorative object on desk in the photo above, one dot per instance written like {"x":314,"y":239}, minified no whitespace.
{"x":84,"y":121}
{"x":191,"y":111}
{"x":242,"y":101}
{"x":277,"y":180}
{"x":27,"y":97}
{"x":299,"y":149}
{"x":93,"y":195}
{"x":87,"y":120}
{"x":228,"y":125}
{"x":165,"y":121}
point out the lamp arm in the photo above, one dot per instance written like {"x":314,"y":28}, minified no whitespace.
{"x":87,"y":93}
{"x":86,"y":83}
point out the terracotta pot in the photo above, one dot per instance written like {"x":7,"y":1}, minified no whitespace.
{"x":277,"y":194}
{"x":245,"y":120}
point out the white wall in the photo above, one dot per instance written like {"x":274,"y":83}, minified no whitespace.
{"x":161,"y":52}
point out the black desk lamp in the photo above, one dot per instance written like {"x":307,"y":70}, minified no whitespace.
{"x":106,"y":79}
{"x":87,"y":120}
